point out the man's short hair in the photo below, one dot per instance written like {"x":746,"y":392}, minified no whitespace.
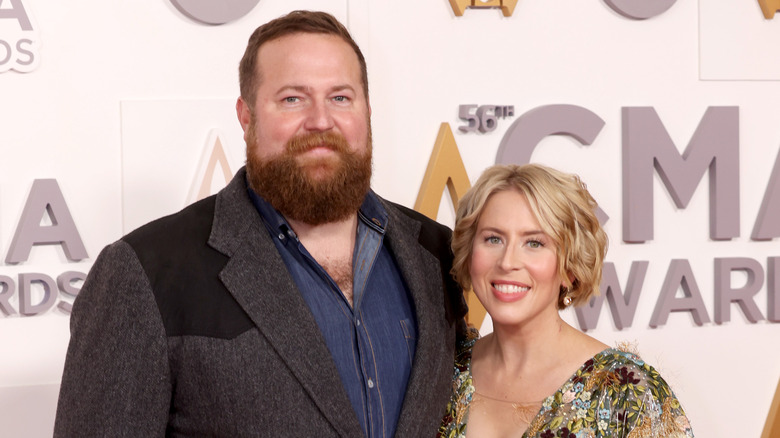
{"x":294,"y":22}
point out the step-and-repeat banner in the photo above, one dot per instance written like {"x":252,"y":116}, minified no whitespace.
{"x":115,"y":113}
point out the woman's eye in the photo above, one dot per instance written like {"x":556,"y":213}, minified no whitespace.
{"x":493,"y":240}
{"x":534,"y":244}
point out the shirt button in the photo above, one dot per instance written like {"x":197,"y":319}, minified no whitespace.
{"x":281,"y":236}
{"x":370,"y":383}
{"x":358,"y":323}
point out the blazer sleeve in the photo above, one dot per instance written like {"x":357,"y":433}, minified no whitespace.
{"x":116,"y":380}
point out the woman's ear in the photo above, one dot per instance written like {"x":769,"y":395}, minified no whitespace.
{"x":571,"y":278}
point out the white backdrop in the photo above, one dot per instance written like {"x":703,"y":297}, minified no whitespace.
{"x":125,"y":99}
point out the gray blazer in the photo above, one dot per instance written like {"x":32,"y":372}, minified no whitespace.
{"x":192,"y":326}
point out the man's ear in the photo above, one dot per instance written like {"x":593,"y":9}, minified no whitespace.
{"x":244,"y":113}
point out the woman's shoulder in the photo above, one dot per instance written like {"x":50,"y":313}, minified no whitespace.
{"x":620,"y":356}
{"x":629,"y":367}
{"x":644,"y":390}
{"x":622,"y":369}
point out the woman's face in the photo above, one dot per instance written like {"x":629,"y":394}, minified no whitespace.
{"x":514,"y":264}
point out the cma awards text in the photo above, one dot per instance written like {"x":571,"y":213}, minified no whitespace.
{"x":34,"y":292}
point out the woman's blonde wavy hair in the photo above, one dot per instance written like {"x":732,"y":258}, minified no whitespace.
{"x":566,"y":212}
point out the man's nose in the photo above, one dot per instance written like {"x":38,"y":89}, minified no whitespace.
{"x":319,"y":117}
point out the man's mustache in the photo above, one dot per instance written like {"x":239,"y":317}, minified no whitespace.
{"x":307,"y":142}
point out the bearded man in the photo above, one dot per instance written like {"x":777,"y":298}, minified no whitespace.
{"x":295,"y":302}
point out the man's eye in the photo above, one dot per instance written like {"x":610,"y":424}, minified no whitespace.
{"x":291,"y":99}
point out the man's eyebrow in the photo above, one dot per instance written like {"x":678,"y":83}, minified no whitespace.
{"x":307,"y":89}
{"x":298,"y":88}
{"x":343,"y":87}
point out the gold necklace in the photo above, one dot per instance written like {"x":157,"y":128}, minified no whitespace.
{"x":507,"y":401}
{"x":524,"y":411}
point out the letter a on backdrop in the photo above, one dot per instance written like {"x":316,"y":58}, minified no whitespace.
{"x":213,"y":165}
{"x":769,"y":7}
{"x":46,"y":199}
{"x":446,"y":169}
{"x":772,"y":426}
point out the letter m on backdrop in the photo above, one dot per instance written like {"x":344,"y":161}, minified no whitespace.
{"x":647,"y":147}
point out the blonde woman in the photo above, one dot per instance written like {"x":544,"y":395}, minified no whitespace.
{"x":527,"y":240}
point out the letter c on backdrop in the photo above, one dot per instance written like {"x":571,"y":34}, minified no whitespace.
{"x":214,"y":12}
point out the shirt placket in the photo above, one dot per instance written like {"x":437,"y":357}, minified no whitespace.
{"x":369,"y":241}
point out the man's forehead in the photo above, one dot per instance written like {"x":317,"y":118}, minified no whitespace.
{"x":286,"y":50}
{"x":305,"y":39}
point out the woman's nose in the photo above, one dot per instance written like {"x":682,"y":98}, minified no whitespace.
{"x":511,"y":259}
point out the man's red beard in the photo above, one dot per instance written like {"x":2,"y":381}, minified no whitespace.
{"x":315,"y":191}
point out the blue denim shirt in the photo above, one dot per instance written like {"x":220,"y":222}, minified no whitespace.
{"x":373,"y":342}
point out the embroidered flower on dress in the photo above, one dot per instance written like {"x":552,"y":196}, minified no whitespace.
{"x":565,"y":433}
{"x":586,"y":433}
{"x":588,"y":366}
{"x":626,"y":377}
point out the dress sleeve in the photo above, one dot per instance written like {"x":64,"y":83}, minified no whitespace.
{"x":116,"y":380}
{"x":650,"y":408}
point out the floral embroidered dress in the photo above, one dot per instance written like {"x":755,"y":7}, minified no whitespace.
{"x":614,"y":394}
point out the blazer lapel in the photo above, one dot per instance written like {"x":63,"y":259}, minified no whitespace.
{"x":258,"y":279}
{"x":429,"y":384}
